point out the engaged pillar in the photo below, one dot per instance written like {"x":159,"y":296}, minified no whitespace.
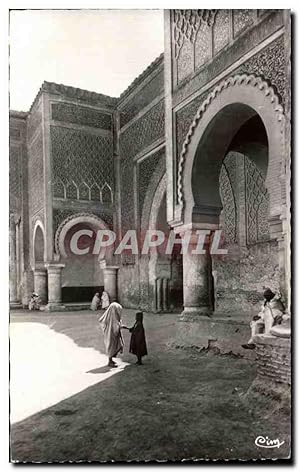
{"x":159,"y":294}
{"x":54,"y":287}
{"x":111,"y":282}
{"x":40,"y":283}
{"x":13,"y":296}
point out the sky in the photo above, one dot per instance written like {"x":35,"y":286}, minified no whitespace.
{"x":98,"y":50}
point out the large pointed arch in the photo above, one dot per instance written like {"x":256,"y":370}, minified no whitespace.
{"x":225,"y":110}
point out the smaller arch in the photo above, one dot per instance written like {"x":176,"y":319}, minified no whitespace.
{"x":38,"y":243}
{"x":95,"y":192}
{"x":80,"y":218}
{"x":106,"y":193}
{"x":156,"y":202}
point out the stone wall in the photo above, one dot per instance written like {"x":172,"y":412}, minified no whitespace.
{"x":252,"y":262}
{"x":35,"y":149}
{"x":141,"y":153}
{"x":17,"y":160}
{"x":18,"y":202}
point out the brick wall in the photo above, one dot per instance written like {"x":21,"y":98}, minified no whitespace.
{"x":273,"y":358}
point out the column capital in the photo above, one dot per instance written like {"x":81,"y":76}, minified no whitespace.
{"x":40,"y":270}
{"x":112,"y":268}
{"x":54,"y":267}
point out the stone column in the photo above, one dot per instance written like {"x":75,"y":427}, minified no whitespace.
{"x":196,"y":274}
{"x":13,"y":296}
{"x":54,"y":287}
{"x":110,"y":282}
{"x":40,"y":283}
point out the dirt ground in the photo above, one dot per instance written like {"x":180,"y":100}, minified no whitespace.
{"x":180,"y":405}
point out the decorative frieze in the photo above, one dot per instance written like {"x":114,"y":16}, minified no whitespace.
{"x":186,"y":24}
{"x":71,"y":113}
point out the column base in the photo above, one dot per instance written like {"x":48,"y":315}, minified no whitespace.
{"x":53,"y":307}
{"x":194,"y":312}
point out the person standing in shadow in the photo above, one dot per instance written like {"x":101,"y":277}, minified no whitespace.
{"x":138,"y":345}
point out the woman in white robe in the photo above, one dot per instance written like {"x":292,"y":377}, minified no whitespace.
{"x":111,"y":324}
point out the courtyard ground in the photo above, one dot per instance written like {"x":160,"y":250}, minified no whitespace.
{"x":181,"y":404}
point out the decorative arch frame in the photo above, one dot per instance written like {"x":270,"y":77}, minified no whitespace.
{"x":159,"y":194}
{"x":258,"y":95}
{"x":61,"y":232}
{"x":157,"y":176}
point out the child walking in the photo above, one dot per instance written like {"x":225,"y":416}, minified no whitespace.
{"x":138,"y":345}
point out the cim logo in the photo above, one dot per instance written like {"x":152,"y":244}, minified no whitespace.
{"x":262,"y":441}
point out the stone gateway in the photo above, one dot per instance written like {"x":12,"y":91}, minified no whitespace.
{"x":199,"y":141}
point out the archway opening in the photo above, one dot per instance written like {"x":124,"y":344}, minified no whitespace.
{"x":228,"y":186}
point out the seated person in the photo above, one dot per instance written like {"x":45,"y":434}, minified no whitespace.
{"x":270,"y":315}
{"x":34,"y":302}
{"x":95,"y":302}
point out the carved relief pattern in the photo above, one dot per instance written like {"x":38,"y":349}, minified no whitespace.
{"x":186,"y":24}
{"x":242,"y":19}
{"x":80,"y":115}
{"x":144,"y":131}
{"x":14,"y":178}
{"x":127,"y":196}
{"x":141,"y":99}
{"x":221,"y":30}
{"x":203,"y":45}
{"x":269,"y":64}
{"x":229,"y":206}
{"x":256,"y":204}
{"x":36,"y":174}
{"x":231,"y":167}
{"x":146,"y":170}
{"x":185,"y":61}
{"x":33,"y":122}
{"x":82,"y":163}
